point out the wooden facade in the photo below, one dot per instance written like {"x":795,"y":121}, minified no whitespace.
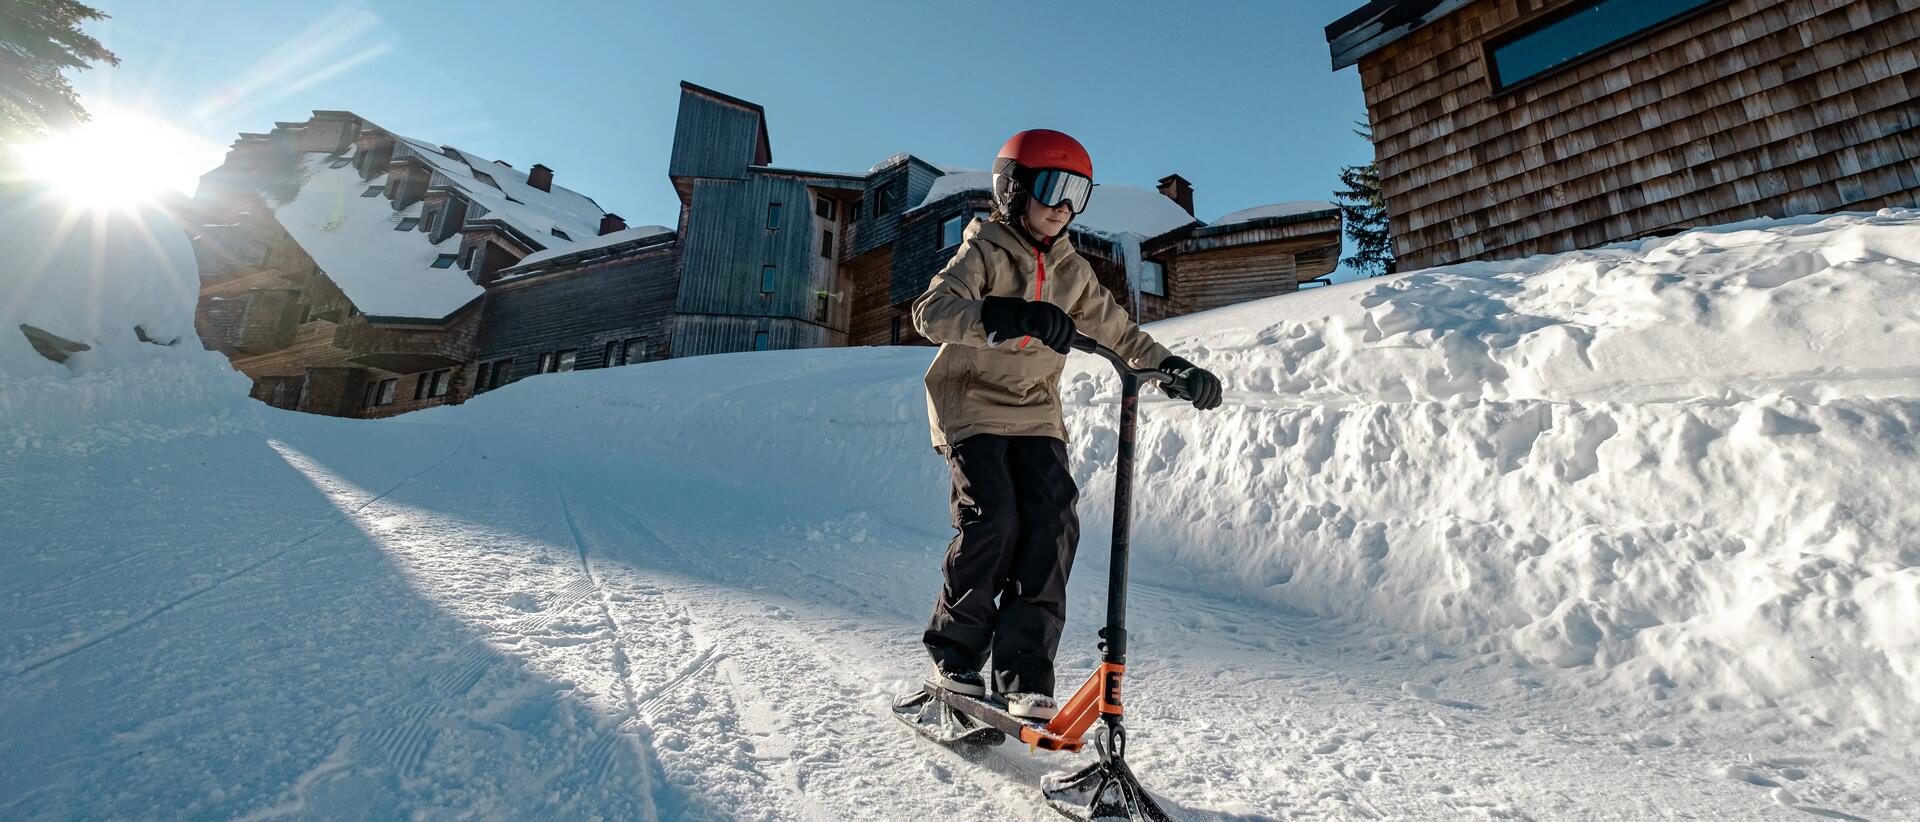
{"x":1741,"y":109}
{"x":595,"y":308}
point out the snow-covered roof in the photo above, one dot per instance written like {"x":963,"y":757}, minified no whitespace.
{"x":1288,"y":209}
{"x":509,"y":198}
{"x":389,"y":273}
{"x":356,"y":241}
{"x":1114,"y":209}
{"x":625,"y":235}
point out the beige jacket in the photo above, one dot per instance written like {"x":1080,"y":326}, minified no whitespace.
{"x":1012,"y":388}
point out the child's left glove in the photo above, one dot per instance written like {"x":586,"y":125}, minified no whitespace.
{"x":1201,"y":383}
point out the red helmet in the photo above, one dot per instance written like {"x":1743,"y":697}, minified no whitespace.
{"x":1019,"y":170}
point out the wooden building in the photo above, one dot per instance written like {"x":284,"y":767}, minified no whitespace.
{"x":346,"y":268}
{"x":1512,"y":127}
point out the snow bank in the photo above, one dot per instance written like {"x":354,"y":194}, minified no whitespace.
{"x":1685,"y":464}
{"x":1682,"y":466}
{"x":91,"y":283}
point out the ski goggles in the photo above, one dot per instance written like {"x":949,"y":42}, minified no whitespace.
{"x":1050,"y":187}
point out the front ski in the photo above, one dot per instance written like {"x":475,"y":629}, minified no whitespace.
{"x":938,"y":721}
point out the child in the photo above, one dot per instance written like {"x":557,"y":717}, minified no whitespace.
{"x":1005,"y":310}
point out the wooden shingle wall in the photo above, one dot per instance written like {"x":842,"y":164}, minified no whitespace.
{"x":1750,"y":108}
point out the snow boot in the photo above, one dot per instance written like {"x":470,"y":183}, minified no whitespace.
{"x":1032,"y":707}
{"x":966,"y":683}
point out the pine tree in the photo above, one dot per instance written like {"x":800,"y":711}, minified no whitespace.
{"x":1364,"y":211}
{"x":38,"y":40}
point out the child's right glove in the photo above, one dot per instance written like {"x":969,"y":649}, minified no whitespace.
{"x":1005,"y":318}
{"x":1204,"y":386}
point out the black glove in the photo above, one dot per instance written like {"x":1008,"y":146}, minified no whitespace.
{"x":1202,"y":386}
{"x":1008,"y":317}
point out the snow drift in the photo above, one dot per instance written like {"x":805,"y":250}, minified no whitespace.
{"x":113,"y":291}
{"x":1684,"y":465}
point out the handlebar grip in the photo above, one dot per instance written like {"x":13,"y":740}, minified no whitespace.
{"x":1085,"y":343}
{"x":1177,"y":388}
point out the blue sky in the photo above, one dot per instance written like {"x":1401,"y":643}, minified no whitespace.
{"x":1235,"y":96}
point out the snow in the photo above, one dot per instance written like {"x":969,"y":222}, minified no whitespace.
{"x":533,"y":212}
{"x":386,"y":272}
{"x":625,"y":235}
{"x":1618,"y":534}
{"x":93,"y":277}
{"x":1287,"y":209}
{"x":1113,"y":211}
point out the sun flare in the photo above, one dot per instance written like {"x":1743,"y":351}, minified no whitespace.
{"x":118,"y":157}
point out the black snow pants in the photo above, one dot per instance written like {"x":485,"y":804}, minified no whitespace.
{"x":1006,"y":571}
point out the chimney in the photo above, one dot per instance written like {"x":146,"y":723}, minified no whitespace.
{"x":1178,"y":190}
{"x":611,"y":222}
{"x":540,"y":177}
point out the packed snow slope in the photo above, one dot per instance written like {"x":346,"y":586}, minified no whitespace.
{"x":1618,"y":534}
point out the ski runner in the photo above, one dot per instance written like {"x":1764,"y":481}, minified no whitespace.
{"x":1005,"y":310}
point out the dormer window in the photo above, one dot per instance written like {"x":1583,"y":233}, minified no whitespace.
{"x":562,"y":235}
{"x":485,"y":178}
{"x":373,"y":191}
{"x":445,"y":260}
{"x":407,"y":224}
{"x":886,"y":199}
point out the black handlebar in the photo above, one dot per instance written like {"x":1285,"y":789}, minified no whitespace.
{"x":1174,"y":386}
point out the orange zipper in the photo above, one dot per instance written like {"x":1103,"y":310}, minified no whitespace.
{"x":1040,"y":260}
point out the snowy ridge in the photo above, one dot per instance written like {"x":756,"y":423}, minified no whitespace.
{"x":101,"y":279}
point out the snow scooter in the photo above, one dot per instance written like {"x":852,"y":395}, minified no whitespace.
{"x":1106,"y":789}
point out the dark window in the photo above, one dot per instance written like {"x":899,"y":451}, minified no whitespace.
{"x":773,"y":216}
{"x":635,"y":351}
{"x":306,"y":314}
{"x":373,"y":191}
{"x":546,"y":363}
{"x":853,"y":211}
{"x":420,"y":386}
{"x":373,"y":395}
{"x":1153,"y":278}
{"x":820,"y":308}
{"x":442,"y":380}
{"x":445,"y":260}
{"x":386,"y":390}
{"x":767,"y":273}
{"x":466,"y":258}
{"x":823,"y":208}
{"x":952,"y":229}
{"x":896,"y":330}
{"x":612,"y":356}
{"x":1586,"y":29}
{"x":826,"y":244}
{"x":502,"y":371}
{"x":760,"y":341}
{"x":564,"y":362}
{"x":485,"y":178}
{"x":562,"y":235}
{"x":886,"y":199}
{"x":407,"y":224}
